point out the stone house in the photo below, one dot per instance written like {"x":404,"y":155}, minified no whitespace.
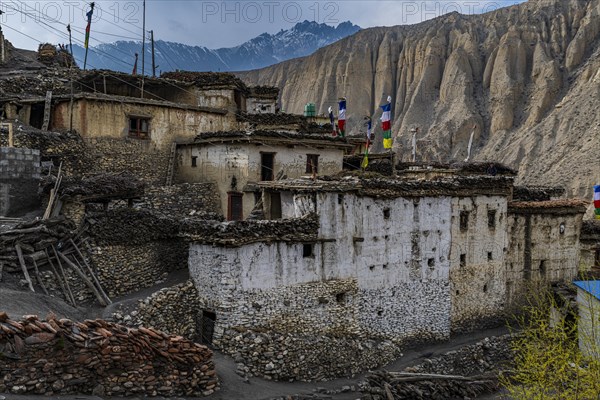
{"x":590,"y":248}
{"x":262,"y":100}
{"x":543,"y":245}
{"x":401,"y":258}
{"x":237,"y":161}
{"x":588,"y":325}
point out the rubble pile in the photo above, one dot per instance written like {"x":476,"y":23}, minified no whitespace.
{"x":379,"y":165}
{"x":244,"y":232}
{"x":537,"y":193}
{"x":129,"y":226}
{"x":264,"y":91}
{"x":464,"y":373}
{"x":289,"y":356}
{"x":57,"y":357}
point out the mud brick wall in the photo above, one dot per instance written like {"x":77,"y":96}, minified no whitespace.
{"x":127,"y":268}
{"x":19,"y":178}
{"x":58,"y":357}
{"x":184,"y":200}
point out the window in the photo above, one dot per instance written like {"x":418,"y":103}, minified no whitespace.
{"x":139,"y":127}
{"x":543,"y":268}
{"x":431,"y":262}
{"x":194,"y":161}
{"x":490,"y":256}
{"x":386,"y":213}
{"x":307,"y":250}
{"x":267,"y":165}
{"x":463,"y":260}
{"x":464,"y":220}
{"x":561,"y":228}
{"x":312,"y":163}
{"x":491,"y":219}
{"x":340,"y":297}
{"x":234,"y":206}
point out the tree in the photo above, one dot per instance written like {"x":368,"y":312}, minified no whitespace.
{"x":548,"y":363}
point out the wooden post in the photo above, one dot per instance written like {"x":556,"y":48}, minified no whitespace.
{"x":24,"y":267}
{"x":59,"y":279}
{"x":62,"y":271}
{"x":84,"y":278}
{"x":96,"y":281}
{"x":39,"y":278}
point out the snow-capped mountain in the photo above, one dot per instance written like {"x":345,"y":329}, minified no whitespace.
{"x":264,"y":50}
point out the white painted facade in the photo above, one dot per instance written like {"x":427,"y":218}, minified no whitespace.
{"x":588,"y":325}
{"x":234,"y":165}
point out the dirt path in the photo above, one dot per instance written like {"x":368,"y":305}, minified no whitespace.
{"x":233,"y":386}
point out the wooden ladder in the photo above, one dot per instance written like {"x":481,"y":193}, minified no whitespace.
{"x":171,"y":166}
{"x":47,"y":109}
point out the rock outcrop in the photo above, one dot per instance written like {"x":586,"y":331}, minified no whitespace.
{"x":523,"y":78}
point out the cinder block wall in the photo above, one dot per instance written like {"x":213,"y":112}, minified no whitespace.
{"x":19,"y":179}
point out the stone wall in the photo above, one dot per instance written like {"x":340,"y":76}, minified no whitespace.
{"x":184,"y":200}
{"x":289,"y":356}
{"x":59,"y":357}
{"x":140,"y":158}
{"x":128,"y":268}
{"x":543,"y":248}
{"x":19,"y":180}
{"x":173,"y":310}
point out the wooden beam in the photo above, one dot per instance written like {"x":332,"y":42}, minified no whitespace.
{"x":24,"y":267}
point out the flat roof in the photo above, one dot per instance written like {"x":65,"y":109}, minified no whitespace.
{"x":591,"y":287}
{"x":273,"y":137}
{"x":562,"y":206}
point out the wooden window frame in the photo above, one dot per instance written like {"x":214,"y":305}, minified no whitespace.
{"x":312,"y":160}
{"x":138,"y":133}
{"x":231,"y":216}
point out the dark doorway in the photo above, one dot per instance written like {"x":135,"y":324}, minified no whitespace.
{"x":267,"y":164}
{"x":275,"y":205}
{"x":235,"y":206}
{"x":207,"y":326}
{"x":36,"y":118}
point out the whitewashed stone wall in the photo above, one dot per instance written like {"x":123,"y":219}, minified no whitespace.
{"x":369,"y":275}
{"x":538,"y":253}
{"x":477,"y":287}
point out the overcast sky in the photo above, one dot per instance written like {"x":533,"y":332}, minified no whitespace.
{"x":212,"y":24}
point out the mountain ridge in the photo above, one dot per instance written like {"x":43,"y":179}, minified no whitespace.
{"x":516,"y":74}
{"x":266,"y":49}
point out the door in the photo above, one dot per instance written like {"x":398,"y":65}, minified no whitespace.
{"x":207,"y":326}
{"x":235,"y":206}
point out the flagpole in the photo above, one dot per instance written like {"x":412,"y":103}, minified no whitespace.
{"x":143,"y":45}
{"x":87,"y":33}
{"x":71,"y":103}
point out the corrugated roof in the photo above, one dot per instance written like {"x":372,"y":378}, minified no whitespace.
{"x":592,"y":287}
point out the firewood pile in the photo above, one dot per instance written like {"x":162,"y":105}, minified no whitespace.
{"x":129,"y":226}
{"x":416,"y":386}
{"x":537,"y":193}
{"x":206,"y":79}
{"x":96,"y":186}
{"x":243,"y":232}
{"x":51,"y":243}
{"x":60,"y":356}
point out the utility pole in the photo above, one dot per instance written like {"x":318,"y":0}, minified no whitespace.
{"x":153,"y":60}
{"x":143,"y":45}
{"x":71,"y":78}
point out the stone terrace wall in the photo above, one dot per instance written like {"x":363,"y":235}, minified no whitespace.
{"x":288,"y":356}
{"x":184,"y":200}
{"x":19,"y":176}
{"x":173,"y":310}
{"x":127,"y":268}
{"x":133,"y":249}
{"x":140,"y":158}
{"x":58,"y":357}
